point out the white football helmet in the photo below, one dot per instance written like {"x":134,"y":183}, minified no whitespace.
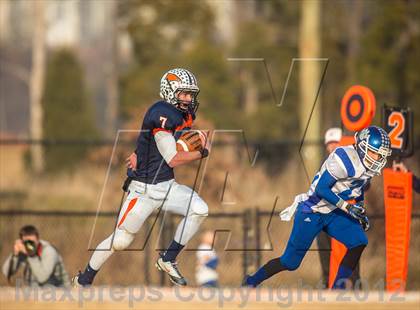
{"x":175,"y":81}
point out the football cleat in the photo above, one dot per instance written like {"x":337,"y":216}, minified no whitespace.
{"x":75,"y":281}
{"x":245,"y":282}
{"x":171,"y":268}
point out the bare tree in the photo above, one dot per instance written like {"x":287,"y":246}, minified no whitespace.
{"x":354,"y":34}
{"x":246,"y":12}
{"x":4,"y":21}
{"x":37,"y":85}
{"x":111,"y":111}
{"x":250,"y":90}
{"x":309,"y":77}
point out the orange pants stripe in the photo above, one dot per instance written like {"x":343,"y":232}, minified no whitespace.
{"x":130,"y":206}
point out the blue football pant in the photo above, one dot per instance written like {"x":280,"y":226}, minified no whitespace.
{"x":307,"y":225}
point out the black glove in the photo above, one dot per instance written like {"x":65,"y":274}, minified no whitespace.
{"x":358,"y":212}
{"x":204,"y":153}
{"x":365,"y":223}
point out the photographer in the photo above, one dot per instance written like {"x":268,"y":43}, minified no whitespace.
{"x":40,"y":261}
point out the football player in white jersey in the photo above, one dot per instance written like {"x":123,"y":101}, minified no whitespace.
{"x":326,"y":206}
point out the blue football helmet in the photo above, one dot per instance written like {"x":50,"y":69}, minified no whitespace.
{"x":375,"y":140}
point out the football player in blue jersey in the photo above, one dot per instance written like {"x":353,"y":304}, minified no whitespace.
{"x":152,"y":185}
{"x":326,"y":206}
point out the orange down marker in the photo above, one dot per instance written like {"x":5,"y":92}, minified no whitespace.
{"x":338,"y":250}
{"x":398,"y":203}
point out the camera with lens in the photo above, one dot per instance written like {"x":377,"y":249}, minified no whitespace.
{"x":30,"y":247}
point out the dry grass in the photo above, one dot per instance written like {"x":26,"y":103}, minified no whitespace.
{"x":246,"y":187}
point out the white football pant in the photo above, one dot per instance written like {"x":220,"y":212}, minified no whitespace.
{"x":141,"y":201}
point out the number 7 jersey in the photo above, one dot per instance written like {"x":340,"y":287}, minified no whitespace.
{"x":151,"y":166}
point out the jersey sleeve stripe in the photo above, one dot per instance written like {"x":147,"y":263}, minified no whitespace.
{"x":185,"y":124}
{"x":156,"y":130}
{"x":346,"y":161}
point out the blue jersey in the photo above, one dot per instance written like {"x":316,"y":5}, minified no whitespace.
{"x":151,"y":166}
{"x":350,"y":178}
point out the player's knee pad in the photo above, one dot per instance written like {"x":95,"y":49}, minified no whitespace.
{"x":122,"y":239}
{"x":291,"y":265}
{"x":199,"y":208}
{"x":290,"y":262}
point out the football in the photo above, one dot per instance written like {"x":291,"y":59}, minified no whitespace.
{"x":192,"y":140}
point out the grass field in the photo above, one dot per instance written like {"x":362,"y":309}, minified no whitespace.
{"x":194,"y":298}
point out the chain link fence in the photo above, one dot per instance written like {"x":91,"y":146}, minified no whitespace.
{"x":244,"y":240}
{"x":64,"y":205}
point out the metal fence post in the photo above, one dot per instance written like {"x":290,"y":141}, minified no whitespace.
{"x":245,"y":232}
{"x":147,"y":255}
{"x":162,"y":244}
{"x":257,"y":237}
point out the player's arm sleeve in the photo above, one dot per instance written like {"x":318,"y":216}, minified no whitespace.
{"x":333,"y":172}
{"x":166,"y":145}
{"x":42,"y":267}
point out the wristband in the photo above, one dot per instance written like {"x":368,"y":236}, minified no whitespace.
{"x":204,"y":153}
{"x":342,"y":204}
